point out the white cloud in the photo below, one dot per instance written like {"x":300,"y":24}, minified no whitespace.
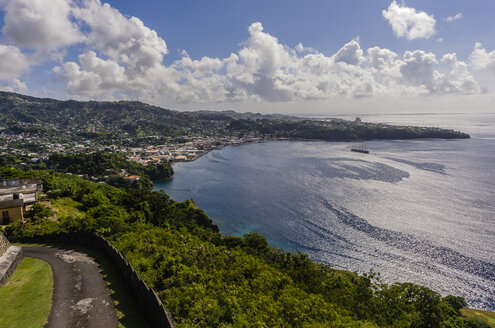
{"x":481,"y":59}
{"x":124,"y":39}
{"x":123,"y":56}
{"x":123,"y":59}
{"x":302,"y":49}
{"x":13,"y":63}
{"x":408,"y":22}
{"x":381,"y":58}
{"x":13,"y":85}
{"x":458,"y":79}
{"x":418,"y":68}
{"x":450,"y":19}
{"x":40,"y":24}
{"x":350,"y":54}
{"x":265,"y":69}
{"x":77,"y":82}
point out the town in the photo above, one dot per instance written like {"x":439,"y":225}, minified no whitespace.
{"x":33,"y":129}
{"x":39,"y":146}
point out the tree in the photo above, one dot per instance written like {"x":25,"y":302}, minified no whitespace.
{"x":38,"y":212}
{"x":456,"y":302}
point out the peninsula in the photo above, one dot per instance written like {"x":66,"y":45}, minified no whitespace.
{"x":38,"y":128}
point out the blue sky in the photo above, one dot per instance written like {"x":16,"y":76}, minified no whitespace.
{"x":267,"y":56}
{"x":215,"y":28}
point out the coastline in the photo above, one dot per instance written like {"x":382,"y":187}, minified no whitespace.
{"x":263,"y":140}
{"x":172,"y":162}
{"x":345,"y":218}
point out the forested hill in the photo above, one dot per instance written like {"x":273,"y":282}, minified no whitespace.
{"x":107,"y":120}
{"x":119,"y":117}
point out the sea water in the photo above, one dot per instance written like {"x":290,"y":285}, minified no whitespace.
{"x":412,"y":210}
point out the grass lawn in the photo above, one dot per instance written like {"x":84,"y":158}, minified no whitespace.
{"x":65,"y":207}
{"x":486,"y":316}
{"x":26,"y":298}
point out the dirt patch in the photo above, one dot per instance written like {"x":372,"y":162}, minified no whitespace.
{"x":83,"y":306}
{"x":70,"y":256}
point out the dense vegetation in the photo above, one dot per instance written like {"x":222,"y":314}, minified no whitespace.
{"x":99,"y":165}
{"x":110,"y":120}
{"x":106,"y":122}
{"x":207,"y":280}
{"x":339,"y":130}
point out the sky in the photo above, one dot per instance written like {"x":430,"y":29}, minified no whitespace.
{"x":286,"y":56}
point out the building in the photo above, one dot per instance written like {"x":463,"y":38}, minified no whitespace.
{"x":11,"y":210}
{"x":25,"y":189}
{"x":15,"y":194}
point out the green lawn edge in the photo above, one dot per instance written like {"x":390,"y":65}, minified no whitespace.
{"x":26,"y":298}
{"x":485,"y":316}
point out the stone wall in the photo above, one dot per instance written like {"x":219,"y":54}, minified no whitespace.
{"x":4,"y":244}
{"x":9,"y":262}
{"x":150,"y":304}
{"x":10,"y":258}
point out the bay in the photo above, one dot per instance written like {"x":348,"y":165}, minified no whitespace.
{"x":413,"y":210}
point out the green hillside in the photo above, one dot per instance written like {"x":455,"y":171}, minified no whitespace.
{"x":106,"y":122}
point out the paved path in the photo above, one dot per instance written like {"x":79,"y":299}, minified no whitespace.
{"x":80,"y":296}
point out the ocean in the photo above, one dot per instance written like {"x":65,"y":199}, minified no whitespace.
{"x":412,"y":210}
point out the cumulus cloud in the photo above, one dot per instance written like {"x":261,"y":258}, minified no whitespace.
{"x":265,"y":69}
{"x":120,"y":38}
{"x":417,"y":68}
{"x":13,"y":63}
{"x":13,"y":85}
{"x":482,"y":59}
{"x":302,"y":49}
{"x":125,"y":55}
{"x":40,"y":24}
{"x":381,"y":58}
{"x":457,"y":79}
{"x":350,"y":53}
{"x":408,"y":22}
{"x":450,"y":19}
{"x":122,"y":58}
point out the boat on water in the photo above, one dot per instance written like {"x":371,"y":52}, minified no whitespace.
{"x":360,"y":148}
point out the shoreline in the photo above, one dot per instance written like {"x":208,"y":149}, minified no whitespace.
{"x":172,"y":162}
{"x":436,"y":142}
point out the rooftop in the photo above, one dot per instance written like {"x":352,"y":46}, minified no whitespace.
{"x":11,"y":203}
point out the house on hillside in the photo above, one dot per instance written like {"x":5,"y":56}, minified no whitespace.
{"x":15,"y":194}
{"x":25,"y":189}
{"x":11,"y":210}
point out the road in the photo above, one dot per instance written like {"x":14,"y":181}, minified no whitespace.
{"x":80,"y":296}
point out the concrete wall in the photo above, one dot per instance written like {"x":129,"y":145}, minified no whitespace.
{"x":16,"y":189}
{"x":15,"y":214}
{"x":150,"y":304}
{"x":28,"y":197}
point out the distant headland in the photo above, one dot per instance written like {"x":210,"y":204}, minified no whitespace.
{"x":41,"y":127}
